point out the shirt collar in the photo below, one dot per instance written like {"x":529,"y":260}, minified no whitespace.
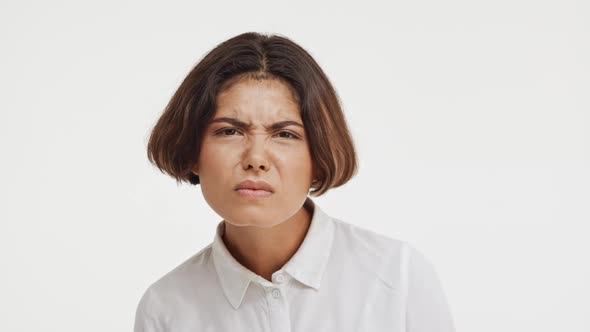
{"x":307,"y":264}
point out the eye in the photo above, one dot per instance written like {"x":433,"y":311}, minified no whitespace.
{"x":227,"y":130}
{"x":290,"y":135}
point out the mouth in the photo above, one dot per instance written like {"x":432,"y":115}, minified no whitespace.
{"x":255,"y":185}
{"x":253,"y":193}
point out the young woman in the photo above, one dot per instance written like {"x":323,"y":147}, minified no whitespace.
{"x":258,"y":126}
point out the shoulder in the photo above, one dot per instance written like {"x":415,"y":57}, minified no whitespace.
{"x":366,"y":239}
{"x":387,"y":257}
{"x":187,"y":270}
{"x":180,"y":281}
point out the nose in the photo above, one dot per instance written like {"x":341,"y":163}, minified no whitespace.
{"x":255,"y":155}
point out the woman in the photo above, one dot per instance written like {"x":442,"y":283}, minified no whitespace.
{"x":258,"y":125}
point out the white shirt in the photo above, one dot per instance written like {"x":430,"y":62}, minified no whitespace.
{"x":342,"y":278}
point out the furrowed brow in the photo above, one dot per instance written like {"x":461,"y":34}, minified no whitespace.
{"x":283,"y":124}
{"x":232,"y":121}
{"x":246,"y":126}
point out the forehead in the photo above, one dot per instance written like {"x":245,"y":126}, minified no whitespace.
{"x":258,"y":99}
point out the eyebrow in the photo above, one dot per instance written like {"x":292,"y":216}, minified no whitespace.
{"x":246,"y":126}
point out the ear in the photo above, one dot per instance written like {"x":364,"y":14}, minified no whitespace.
{"x":195,"y":170}
{"x":314,"y":178}
{"x":315,"y":174}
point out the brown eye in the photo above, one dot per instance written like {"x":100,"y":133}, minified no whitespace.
{"x":289,"y":134}
{"x":229,"y":131}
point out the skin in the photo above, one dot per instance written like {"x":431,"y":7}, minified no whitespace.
{"x":261,"y":234}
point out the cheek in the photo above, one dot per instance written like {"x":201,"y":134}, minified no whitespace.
{"x":214,"y":159}
{"x":297,"y":165}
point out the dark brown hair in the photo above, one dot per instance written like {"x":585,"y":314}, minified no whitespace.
{"x":175,"y":141}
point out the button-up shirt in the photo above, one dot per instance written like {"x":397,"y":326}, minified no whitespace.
{"x":341,"y":278}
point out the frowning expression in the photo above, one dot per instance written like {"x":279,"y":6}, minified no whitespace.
{"x":256,"y":134}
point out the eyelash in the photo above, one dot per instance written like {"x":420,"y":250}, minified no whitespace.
{"x":221,"y":131}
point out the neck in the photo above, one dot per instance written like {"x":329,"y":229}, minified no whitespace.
{"x":266,"y":250}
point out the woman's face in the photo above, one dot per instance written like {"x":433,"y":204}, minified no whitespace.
{"x":277,"y":155}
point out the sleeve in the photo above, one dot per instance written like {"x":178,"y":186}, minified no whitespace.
{"x":144,"y":316}
{"x":427,"y":309}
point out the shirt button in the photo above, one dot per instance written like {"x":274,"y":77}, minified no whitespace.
{"x":276,"y":293}
{"x":280,"y":278}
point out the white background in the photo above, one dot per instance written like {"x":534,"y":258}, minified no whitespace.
{"x":472,"y":121}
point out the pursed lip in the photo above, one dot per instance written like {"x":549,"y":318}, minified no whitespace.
{"x":257,"y":185}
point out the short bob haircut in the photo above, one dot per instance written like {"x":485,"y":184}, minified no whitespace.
{"x":175,"y":141}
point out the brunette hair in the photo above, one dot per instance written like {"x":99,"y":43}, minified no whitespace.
{"x":175,"y":141}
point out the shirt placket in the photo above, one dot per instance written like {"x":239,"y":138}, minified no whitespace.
{"x":277,"y":303}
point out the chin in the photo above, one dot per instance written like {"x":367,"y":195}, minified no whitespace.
{"x":252,"y":216}
{"x":251,"y":222}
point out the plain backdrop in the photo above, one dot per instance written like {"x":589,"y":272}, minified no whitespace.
{"x":471,"y":119}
